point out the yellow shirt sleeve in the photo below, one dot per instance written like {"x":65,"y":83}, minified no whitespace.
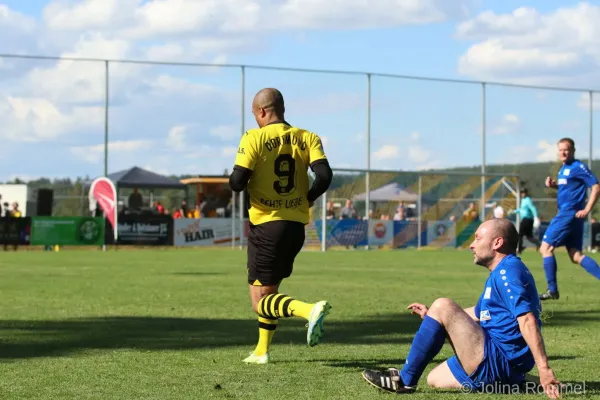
{"x":247,"y":152}
{"x":316,"y":151}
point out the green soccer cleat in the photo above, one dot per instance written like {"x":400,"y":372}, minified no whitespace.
{"x":254,"y":359}
{"x":315,"y":322}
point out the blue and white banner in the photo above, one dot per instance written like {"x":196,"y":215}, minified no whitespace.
{"x":381,"y":232}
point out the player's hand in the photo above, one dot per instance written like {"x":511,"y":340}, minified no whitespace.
{"x":418,"y":309}
{"x":550,"y":182}
{"x":549,"y":382}
{"x":582,"y":213}
{"x":536,"y":223}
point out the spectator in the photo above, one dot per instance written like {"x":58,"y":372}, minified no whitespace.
{"x":135,"y":200}
{"x":348,"y":211}
{"x":330,"y":211}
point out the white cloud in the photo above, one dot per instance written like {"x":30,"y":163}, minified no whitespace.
{"x":561,"y":47}
{"x":63,"y":101}
{"x":546,"y":151}
{"x":228,"y":151}
{"x":177,"y":137}
{"x":386,"y":152}
{"x":508,"y":124}
{"x":12,"y":21}
{"x":95,"y":153}
{"x":34,"y":119}
{"x":226,"y":132}
{"x":418,"y":154}
{"x":144,"y":20}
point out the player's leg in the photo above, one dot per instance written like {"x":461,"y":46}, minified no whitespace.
{"x":575,"y":247}
{"x":278,"y":244}
{"x":292,"y":236}
{"x":555,"y":236}
{"x":444,"y":318}
{"x":261,"y":284}
{"x":527,"y":231}
{"x":266,"y":325}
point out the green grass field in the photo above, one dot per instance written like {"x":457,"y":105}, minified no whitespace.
{"x":175,"y":324}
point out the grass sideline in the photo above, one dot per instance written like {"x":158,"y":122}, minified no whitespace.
{"x":158,"y":324}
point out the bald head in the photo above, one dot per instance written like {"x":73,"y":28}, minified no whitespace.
{"x":503,"y":228}
{"x":269,"y":99}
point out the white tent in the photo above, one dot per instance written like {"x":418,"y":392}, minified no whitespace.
{"x":389,"y":192}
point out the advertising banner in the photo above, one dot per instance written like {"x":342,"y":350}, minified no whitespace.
{"x":441,"y":234}
{"x":69,"y":231}
{"x":144,"y":230}
{"x":205,"y":232}
{"x":15,"y":231}
{"x":380,"y":232}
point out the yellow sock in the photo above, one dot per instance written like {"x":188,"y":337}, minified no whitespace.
{"x":279,"y":305}
{"x":266,"y":330}
{"x":300,"y":309}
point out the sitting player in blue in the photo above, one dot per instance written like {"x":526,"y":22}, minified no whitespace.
{"x":566,"y":228}
{"x":495,"y":343}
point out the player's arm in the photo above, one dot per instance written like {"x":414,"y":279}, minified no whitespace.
{"x":471,"y":312}
{"x":533,"y":337}
{"x":551,"y":183}
{"x":591,"y":182}
{"x":245,"y":160}
{"x":320,"y":166}
{"x":517,"y":294}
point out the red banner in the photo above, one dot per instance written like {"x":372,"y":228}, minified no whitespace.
{"x":104,"y":193}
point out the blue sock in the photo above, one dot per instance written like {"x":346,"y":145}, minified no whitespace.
{"x":427,"y":343}
{"x":550,"y":268}
{"x":591,"y":266}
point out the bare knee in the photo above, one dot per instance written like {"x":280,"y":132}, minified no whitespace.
{"x":441,"y":307}
{"x":442,"y":378}
{"x":546,"y":250}
{"x":258,"y":292}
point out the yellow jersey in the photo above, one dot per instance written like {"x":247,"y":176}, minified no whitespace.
{"x":279,"y":156}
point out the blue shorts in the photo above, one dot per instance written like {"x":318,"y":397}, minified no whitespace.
{"x":494,"y":369}
{"x":565,"y":230}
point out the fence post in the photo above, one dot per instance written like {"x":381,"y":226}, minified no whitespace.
{"x":483,"y":133}
{"x":324,"y":222}
{"x":233,"y":220}
{"x":419,"y":220}
{"x":591,"y":156}
{"x":242,"y":131}
{"x":106,"y":104}
{"x":367,"y":176}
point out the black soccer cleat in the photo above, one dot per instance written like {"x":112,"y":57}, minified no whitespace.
{"x":549,"y":295}
{"x":389,"y":380}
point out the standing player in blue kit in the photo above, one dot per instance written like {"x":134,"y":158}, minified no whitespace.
{"x":566,"y":228}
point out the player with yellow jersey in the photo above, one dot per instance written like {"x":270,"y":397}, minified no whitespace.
{"x":272,"y":165}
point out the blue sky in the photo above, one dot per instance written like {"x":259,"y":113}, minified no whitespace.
{"x":188,"y":119}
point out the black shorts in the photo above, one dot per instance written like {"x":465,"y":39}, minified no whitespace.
{"x":272,"y":248}
{"x":526,"y":227}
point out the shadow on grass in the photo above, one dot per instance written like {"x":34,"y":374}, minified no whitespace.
{"x":35,"y":338}
{"x":560,"y":318}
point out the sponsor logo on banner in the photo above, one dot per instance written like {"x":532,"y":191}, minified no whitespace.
{"x":144,"y":230}
{"x":380,"y":232}
{"x":204,"y":232}
{"x":441,"y":234}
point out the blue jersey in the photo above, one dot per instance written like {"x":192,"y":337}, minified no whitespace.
{"x":509,"y":293}
{"x":573,"y":180}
